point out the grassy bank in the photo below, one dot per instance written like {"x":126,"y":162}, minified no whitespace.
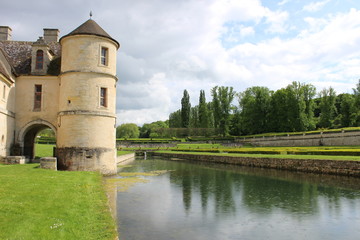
{"x":43,"y":204}
{"x":323,"y":157}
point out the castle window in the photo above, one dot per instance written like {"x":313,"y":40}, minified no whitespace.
{"x":39,"y":59}
{"x":37,"y":97}
{"x":104,"y":56}
{"x":103,"y":97}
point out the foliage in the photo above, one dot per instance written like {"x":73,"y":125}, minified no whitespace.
{"x":127,"y":130}
{"x":54,"y":67}
{"x":175,"y":119}
{"x":185,"y":110}
{"x":255,"y":106}
{"x":222,"y":99}
{"x":203,"y":111}
{"x":149,"y":129}
{"x":290,"y":109}
{"x":327,"y":108}
{"x":194,"y":117}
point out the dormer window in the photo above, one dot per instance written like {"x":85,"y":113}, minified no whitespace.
{"x":104,"y":56}
{"x":39,"y":59}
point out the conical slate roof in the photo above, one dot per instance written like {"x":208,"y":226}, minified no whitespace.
{"x":90,"y":27}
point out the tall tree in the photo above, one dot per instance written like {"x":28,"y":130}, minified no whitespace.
{"x":296,"y":107}
{"x":203,"y":111}
{"x":185,"y":109}
{"x":309,"y":92}
{"x":278,"y":116}
{"x":194,"y":117}
{"x":222,"y":99}
{"x":127,"y":130}
{"x":327,"y":107}
{"x":346,"y":110}
{"x":356,"y":114}
{"x":175,"y":119}
{"x":254,"y":105}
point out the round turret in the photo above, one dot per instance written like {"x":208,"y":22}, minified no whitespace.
{"x":86,"y":120}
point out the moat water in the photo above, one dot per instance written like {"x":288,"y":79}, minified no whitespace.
{"x":185,"y":200}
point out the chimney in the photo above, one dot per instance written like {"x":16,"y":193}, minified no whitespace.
{"x":5,"y":33}
{"x":51,"y":35}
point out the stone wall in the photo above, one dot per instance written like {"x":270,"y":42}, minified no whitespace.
{"x":346,"y":168}
{"x":322,"y":139}
{"x":125,"y":158}
{"x":48,"y":163}
{"x":13,"y":160}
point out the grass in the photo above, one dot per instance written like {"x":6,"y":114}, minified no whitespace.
{"x":43,"y":150}
{"x":119,"y":153}
{"x":42,"y":204}
{"x":320,"y":157}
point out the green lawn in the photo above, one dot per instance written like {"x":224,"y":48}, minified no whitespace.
{"x":42,"y":204}
{"x":43,"y":150}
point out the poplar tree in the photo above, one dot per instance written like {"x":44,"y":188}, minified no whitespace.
{"x":203,"y":111}
{"x":222,"y":99}
{"x":185,"y":110}
{"x":327,"y":107}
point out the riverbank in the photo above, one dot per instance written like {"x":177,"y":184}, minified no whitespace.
{"x":323,"y":166}
{"x":42,"y":204}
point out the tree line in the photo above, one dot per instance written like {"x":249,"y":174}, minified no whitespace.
{"x":295,"y":108}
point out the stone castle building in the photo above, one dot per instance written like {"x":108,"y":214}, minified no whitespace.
{"x":68,"y":85}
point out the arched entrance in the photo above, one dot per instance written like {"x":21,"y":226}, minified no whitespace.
{"x":28,"y":134}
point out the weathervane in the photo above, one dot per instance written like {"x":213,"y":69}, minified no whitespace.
{"x":90,"y":14}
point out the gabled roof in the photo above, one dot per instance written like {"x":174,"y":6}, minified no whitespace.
{"x":90,"y":27}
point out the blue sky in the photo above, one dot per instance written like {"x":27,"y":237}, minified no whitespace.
{"x":170,"y":45}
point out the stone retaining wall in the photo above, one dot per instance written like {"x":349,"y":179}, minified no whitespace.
{"x":321,"y":139}
{"x":125,"y":158}
{"x":346,"y":168}
{"x":14,"y":160}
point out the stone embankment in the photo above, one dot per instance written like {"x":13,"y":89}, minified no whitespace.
{"x":122,"y":159}
{"x":345,"y":168}
{"x":321,"y":139}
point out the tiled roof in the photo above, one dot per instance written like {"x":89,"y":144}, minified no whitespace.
{"x":19,"y":54}
{"x":90,"y":27}
{"x":3,"y":71}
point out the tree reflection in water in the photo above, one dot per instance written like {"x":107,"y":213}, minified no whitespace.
{"x":231,"y":200}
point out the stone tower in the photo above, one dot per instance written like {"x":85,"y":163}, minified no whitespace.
{"x":87,"y":95}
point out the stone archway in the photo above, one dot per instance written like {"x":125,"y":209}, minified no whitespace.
{"x":27,"y":134}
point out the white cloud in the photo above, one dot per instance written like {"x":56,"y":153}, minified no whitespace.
{"x":247,"y":31}
{"x":277,"y":21}
{"x":169,"y":46}
{"x":315,"y":6}
{"x":283,"y":2}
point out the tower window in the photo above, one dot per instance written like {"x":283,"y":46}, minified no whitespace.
{"x":37,"y":97}
{"x":39,"y":59}
{"x":104,"y":56}
{"x":103,"y":97}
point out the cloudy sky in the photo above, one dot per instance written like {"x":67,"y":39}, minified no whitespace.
{"x":171,"y":45}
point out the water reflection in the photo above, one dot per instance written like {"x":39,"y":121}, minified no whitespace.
{"x":204,"y":201}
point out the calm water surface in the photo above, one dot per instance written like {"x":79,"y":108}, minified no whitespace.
{"x":205,"y":201}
